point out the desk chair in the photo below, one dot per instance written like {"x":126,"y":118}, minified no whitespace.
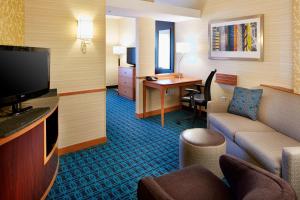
{"x":196,"y":98}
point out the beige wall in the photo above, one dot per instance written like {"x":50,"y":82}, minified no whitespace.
{"x":277,"y":66}
{"x":127,"y":35}
{"x":119,"y":31}
{"x":11,"y":22}
{"x":53,"y":24}
{"x":146,"y":67}
{"x":112,"y":39}
{"x":296,"y":45}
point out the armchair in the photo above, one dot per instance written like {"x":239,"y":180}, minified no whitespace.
{"x":246,"y":182}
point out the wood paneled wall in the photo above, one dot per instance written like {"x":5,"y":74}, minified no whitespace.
{"x":11,"y":22}
{"x":53,"y":24}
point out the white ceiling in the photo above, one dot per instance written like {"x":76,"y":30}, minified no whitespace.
{"x":195,"y":4}
{"x":157,"y":10}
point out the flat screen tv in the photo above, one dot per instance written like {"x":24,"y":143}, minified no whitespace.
{"x":24,"y":74}
{"x":131,"y":56}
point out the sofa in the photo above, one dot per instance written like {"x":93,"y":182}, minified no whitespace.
{"x":272,"y":141}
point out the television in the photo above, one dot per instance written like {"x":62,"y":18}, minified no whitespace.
{"x":131,"y":56}
{"x":24,"y":74}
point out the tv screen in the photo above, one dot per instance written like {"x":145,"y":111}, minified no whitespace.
{"x":24,"y":73}
{"x":131,"y":56}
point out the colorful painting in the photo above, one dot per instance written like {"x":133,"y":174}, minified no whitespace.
{"x":240,"y":38}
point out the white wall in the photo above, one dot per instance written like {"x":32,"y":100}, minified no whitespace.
{"x":119,"y":31}
{"x":277,"y":66}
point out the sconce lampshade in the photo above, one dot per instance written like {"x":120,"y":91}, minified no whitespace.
{"x":182,"y":47}
{"x":119,"y":50}
{"x":85,"y":29}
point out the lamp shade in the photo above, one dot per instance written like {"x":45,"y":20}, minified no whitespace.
{"x":85,"y":29}
{"x":182,"y":47}
{"x":119,"y":50}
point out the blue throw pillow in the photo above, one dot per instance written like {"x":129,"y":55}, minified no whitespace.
{"x":245,"y":102}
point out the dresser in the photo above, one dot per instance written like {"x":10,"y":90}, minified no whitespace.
{"x":126,"y":82}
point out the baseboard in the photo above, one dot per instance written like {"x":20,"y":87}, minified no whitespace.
{"x":81,"y":146}
{"x":111,"y":86}
{"x":157,"y":112}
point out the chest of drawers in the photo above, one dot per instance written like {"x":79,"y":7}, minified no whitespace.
{"x":126,"y":82}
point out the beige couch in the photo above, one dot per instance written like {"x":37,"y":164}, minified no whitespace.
{"x":272,"y":142}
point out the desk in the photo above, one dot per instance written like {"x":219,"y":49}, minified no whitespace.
{"x":164,"y":84}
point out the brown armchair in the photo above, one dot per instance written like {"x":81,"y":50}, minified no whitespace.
{"x":245,"y":181}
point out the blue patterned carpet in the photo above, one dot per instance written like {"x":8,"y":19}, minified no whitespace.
{"x":135,"y":149}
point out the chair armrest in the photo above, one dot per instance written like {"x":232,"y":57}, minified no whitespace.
{"x":200,"y":85}
{"x":217,"y":107}
{"x":291,"y":167}
{"x":192,"y":91}
{"x":148,"y":189}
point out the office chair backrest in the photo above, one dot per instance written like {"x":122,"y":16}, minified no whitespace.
{"x":207,"y":94}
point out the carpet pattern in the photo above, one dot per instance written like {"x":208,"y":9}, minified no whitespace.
{"x":135,"y":149}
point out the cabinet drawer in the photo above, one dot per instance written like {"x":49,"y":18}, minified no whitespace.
{"x":126,"y":82}
{"x":126,"y":91}
{"x":126,"y":72}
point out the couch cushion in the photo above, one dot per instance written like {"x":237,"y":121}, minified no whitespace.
{"x":285,"y":117}
{"x":245,"y":102}
{"x":229,"y":124}
{"x":265,"y":147}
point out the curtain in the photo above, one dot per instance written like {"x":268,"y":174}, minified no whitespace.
{"x":296,"y":45}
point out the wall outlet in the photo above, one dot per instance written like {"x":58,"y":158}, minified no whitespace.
{"x":223,"y":99}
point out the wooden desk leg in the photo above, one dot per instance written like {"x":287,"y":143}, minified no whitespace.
{"x":162,"y":102}
{"x":180,"y":95}
{"x":144,"y":100}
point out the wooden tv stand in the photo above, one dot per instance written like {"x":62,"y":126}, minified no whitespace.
{"x":29,"y":156}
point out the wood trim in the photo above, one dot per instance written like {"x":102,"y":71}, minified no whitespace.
{"x":45,"y":143}
{"x":51,"y":183}
{"x":162,"y":76}
{"x":47,"y":158}
{"x":81,"y":146}
{"x":157,"y":112}
{"x":26,"y":129}
{"x":282,"y":89}
{"x":82,"y":92}
{"x":226,"y":79}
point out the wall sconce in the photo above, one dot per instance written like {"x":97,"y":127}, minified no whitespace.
{"x":119,"y":50}
{"x":182,"y":48}
{"x":84,"y":32}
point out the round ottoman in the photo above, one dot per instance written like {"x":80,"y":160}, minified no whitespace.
{"x":202,"y":146}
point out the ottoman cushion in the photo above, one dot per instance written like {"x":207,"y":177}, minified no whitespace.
{"x":202,"y":137}
{"x":203,"y":147}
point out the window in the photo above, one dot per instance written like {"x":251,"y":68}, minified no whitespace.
{"x":164,"y":48}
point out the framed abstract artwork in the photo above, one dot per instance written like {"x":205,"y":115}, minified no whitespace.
{"x":237,"y":39}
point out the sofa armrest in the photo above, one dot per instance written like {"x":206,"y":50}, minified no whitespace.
{"x":291,"y":167}
{"x":217,"y":107}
